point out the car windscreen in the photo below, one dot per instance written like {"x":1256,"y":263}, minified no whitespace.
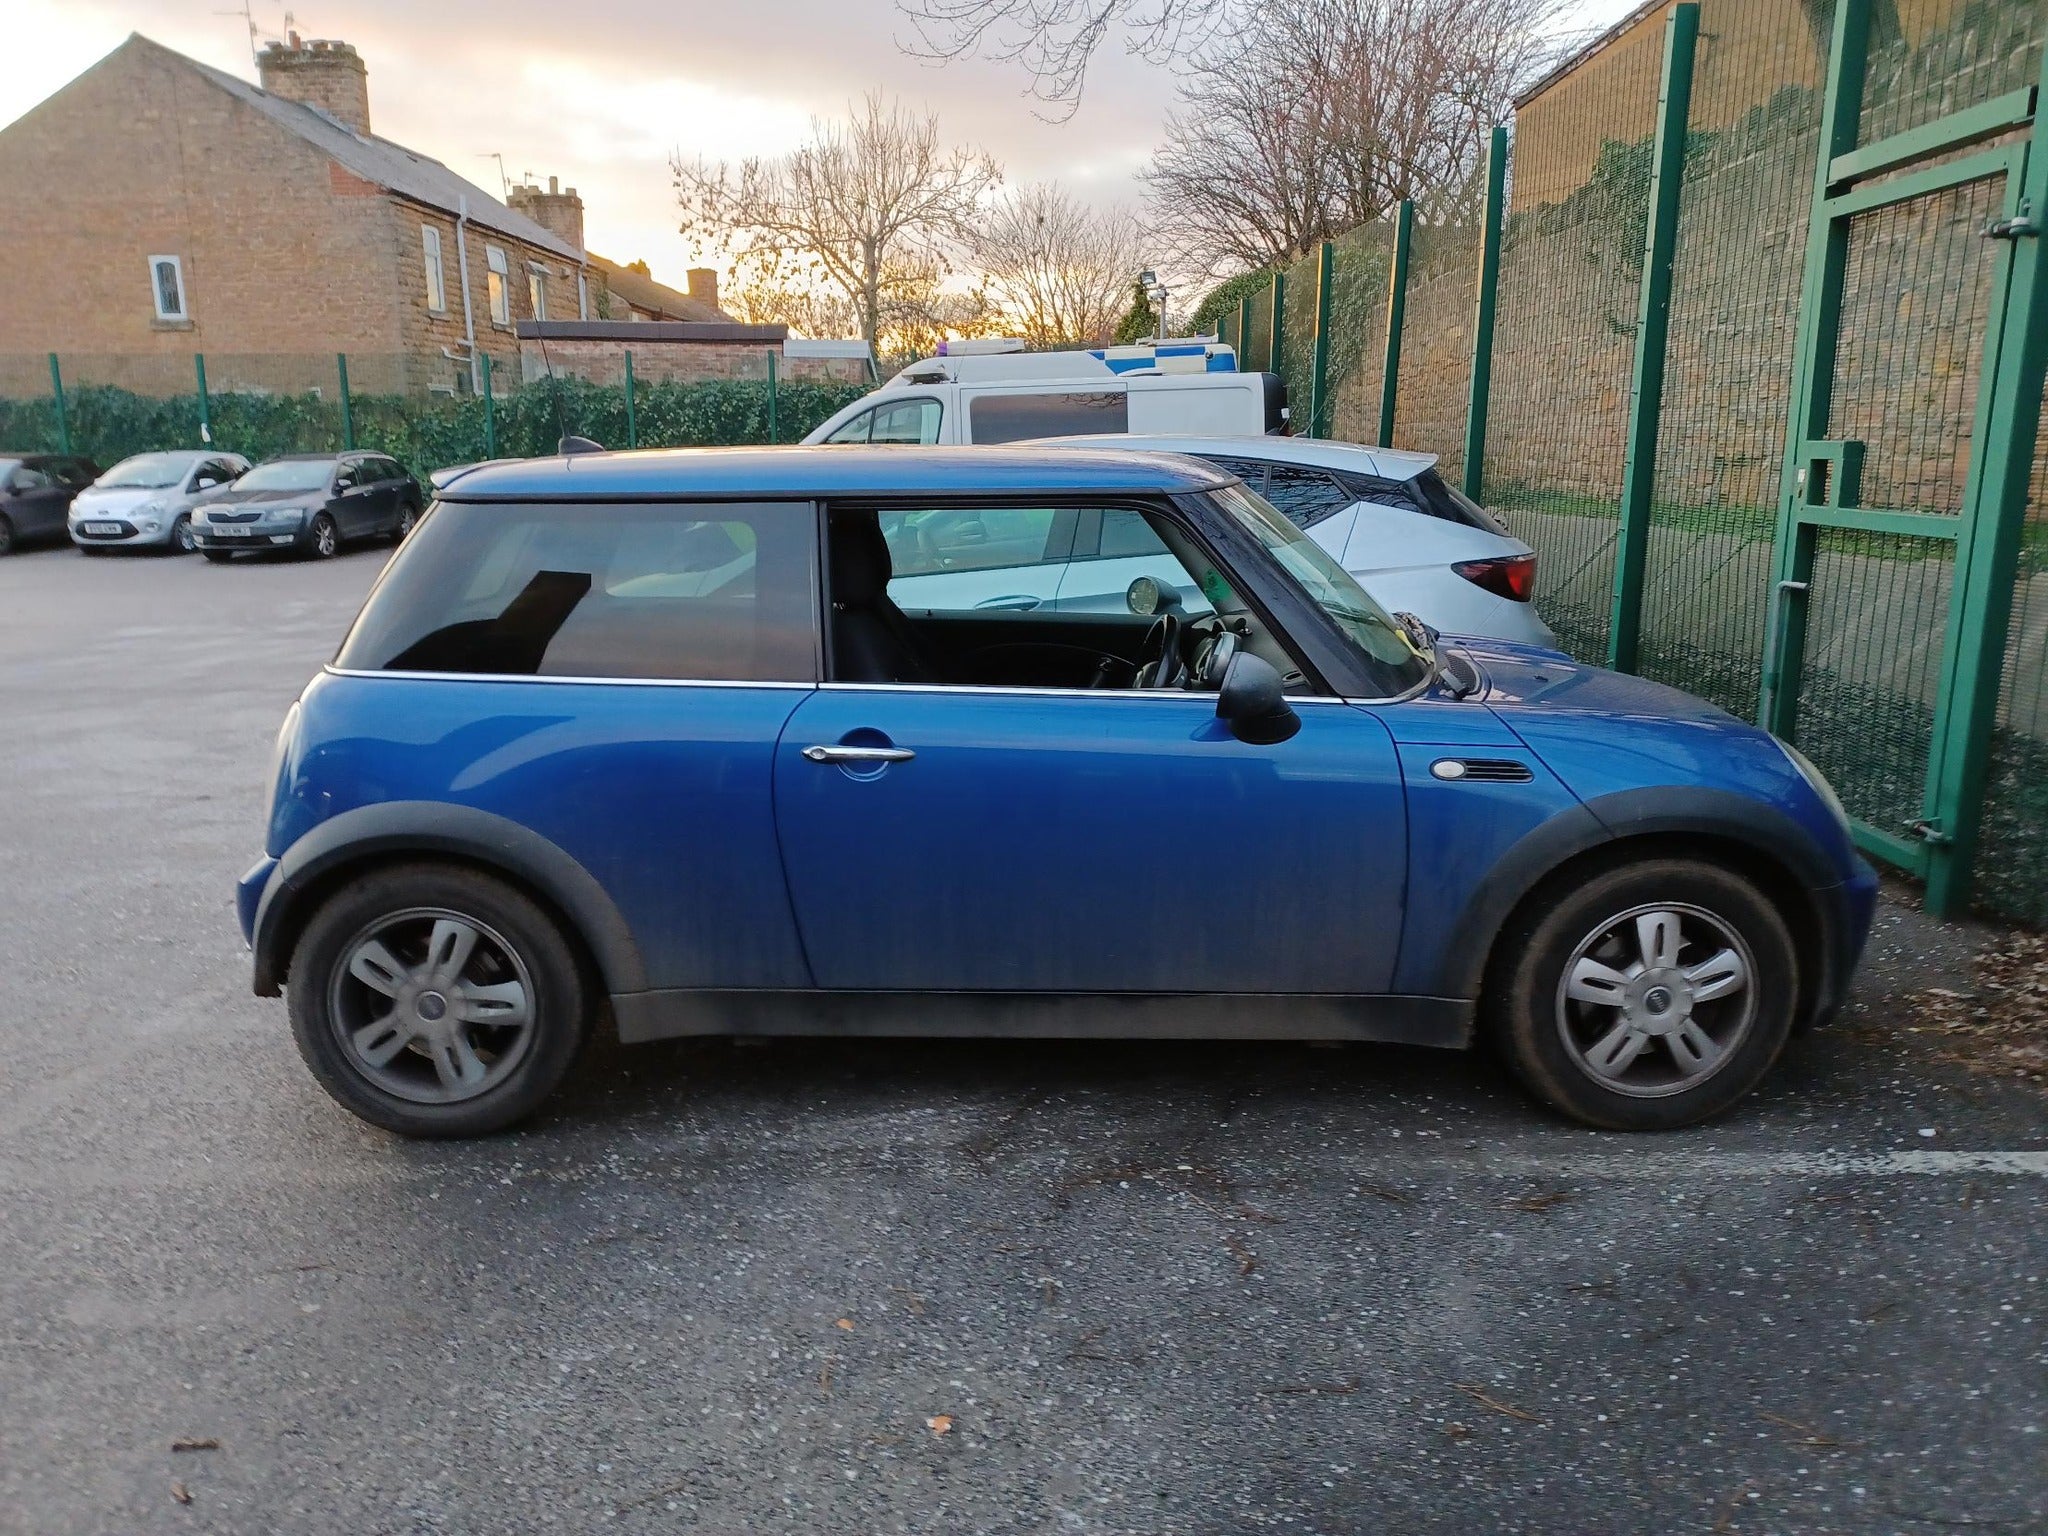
{"x":288,"y":475}
{"x":1395,"y":664}
{"x":720,"y":591}
{"x":146,"y":472}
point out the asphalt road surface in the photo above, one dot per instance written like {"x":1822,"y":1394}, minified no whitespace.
{"x":933,"y":1287}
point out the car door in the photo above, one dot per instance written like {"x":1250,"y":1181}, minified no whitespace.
{"x":37,"y":500}
{"x":1068,"y":840}
{"x":353,"y":501}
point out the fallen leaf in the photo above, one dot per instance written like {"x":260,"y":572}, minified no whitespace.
{"x":1542,"y":1201}
{"x":1458,"y":1431}
{"x":846,"y":1323}
{"x":1479,"y":1396}
{"x":208,"y":1444}
{"x":940,"y":1423}
{"x":1808,"y":1435}
{"x":181,"y":1493}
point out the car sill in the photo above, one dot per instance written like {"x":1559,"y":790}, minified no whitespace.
{"x":1400,"y":1020}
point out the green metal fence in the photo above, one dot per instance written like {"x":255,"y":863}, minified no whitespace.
{"x":1759,"y":375}
{"x":107,"y":406}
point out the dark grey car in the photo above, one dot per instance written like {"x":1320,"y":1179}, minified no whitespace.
{"x":35,"y":495}
{"x":310,"y":503}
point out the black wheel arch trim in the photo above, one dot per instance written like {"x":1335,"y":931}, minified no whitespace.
{"x":424,"y":828}
{"x":1674,"y":811}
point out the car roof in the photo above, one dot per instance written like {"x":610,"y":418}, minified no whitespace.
{"x":830,"y":471}
{"x":1390,"y":463}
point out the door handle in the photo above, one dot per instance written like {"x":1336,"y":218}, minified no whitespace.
{"x":1023,"y":602}
{"x":859,"y":754}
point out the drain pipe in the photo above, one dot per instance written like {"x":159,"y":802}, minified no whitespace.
{"x":462,"y":261}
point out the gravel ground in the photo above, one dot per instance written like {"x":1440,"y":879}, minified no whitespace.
{"x":939,"y":1286}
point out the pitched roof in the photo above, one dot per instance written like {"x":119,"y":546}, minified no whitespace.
{"x":645,"y":293}
{"x":419,"y":178}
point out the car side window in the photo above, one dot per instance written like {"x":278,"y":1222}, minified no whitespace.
{"x":74,"y":474}
{"x":932,"y":548}
{"x":1129,"y":540}
{"x":27,"y":477}
{"x":347,"y":478}
{"x":387,"y":469}
{"x":1010,"y":418}
{"x":718,"y":592}
{"x":854,"y":429}
{"x":1304,"y":495}
{"x":1251,"y":471}
{"x":907,"y":421}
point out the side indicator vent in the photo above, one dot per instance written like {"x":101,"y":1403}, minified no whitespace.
{"x":1481,"y":770}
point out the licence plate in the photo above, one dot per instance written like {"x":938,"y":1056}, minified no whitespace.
{"x":229,"y":531}
{"x":113,"y":528}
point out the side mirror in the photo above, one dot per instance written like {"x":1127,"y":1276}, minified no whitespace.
{"x":1252,"y":703}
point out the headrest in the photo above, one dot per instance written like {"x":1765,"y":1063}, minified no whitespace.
{"x":860,"y":560}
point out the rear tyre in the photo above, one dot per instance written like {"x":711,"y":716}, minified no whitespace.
{"x":6,"y":535}
{"x":435,"y":1001}
{"x":408,"y":514}
{"x":1645,"y":998}
{"x":322,"y":541}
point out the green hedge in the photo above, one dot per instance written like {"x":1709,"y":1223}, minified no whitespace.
{"x":425,"y":433}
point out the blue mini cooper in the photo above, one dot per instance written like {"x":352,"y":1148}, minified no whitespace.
{"x":646,"y":739}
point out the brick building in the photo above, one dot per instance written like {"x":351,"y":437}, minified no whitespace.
{"x":159,"y":207}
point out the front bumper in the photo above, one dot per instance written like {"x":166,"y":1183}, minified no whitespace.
{"x":124,"y":530}
{"x":1847,"y":911}
{"x":246,"y":535}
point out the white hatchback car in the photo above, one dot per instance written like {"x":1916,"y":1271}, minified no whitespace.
{"x":1409,"y":538}
{"x":147,"y":499}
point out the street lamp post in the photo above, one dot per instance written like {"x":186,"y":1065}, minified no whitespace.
{"x":1156,"y":292}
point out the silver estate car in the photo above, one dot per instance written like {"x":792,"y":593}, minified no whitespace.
{"x":147,"y":499}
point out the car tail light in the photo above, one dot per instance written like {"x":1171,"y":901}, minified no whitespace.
{"x":1509,"y":576}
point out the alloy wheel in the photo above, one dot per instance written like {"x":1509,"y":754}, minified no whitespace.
{"x":181,"y":537}
{"x":323,"y":538}
{"x":1656,"y":1000}
{"x":432,"y":1006}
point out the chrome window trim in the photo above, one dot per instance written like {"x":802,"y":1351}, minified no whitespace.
{"x":979,"y":689}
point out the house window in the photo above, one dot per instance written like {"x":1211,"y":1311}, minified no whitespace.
{"x":582,"y":295}
{"x":437,"y":279}
{"x":497,"y":284}
{"x":537,"y":289}
{"x":167,"y":287}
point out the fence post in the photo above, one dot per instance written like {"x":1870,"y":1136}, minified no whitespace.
{"x":1397,"y":319}
{"x":632,"y":426}
{"x":348,"y":414}
{"x":1653,"y":329}
{"x":63,"y":421}
{"x":490,"y":411}
{"x":1480,"y":396}
{"x":1319,"y":366}
{"x":1244,"y":326}
{"x":205,"y":406}
{"x":774,"y":435}
{"x":1275,"y":320}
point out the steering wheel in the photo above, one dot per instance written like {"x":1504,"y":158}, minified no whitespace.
{"x":1161,"y":666}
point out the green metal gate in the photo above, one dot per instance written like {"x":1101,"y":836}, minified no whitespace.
{"x":1905,"y":473}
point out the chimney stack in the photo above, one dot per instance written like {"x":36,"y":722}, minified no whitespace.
{"x":558,"y":210}
{"x":320,"y":73}
{"x":703,"y":285}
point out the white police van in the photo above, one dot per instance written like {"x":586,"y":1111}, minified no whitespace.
{"x":995,"y":392}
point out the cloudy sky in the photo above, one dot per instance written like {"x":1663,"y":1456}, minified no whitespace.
{"x":599,"y":93}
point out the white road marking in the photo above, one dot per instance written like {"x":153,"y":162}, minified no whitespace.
{"x":1672,"y":1163}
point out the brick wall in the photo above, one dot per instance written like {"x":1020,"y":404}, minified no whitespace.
{"x":141,"y":156}
{"x":604,"y":361}
{"x":425,"y":332}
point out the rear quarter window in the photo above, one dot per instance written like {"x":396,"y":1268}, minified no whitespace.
{"x":718,"y":592}
{"x":1071,"y":413}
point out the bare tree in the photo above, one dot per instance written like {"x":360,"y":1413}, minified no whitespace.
{"x":864,"y":197}
{"x":1323,"y":114}
{"x":1056,"y":271}
{"x":1055,"y":39}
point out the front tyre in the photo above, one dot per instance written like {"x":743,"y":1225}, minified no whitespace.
{"x":1645,"y":998}
{"x":436,"y":1001}
{"x":323,"y":540}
